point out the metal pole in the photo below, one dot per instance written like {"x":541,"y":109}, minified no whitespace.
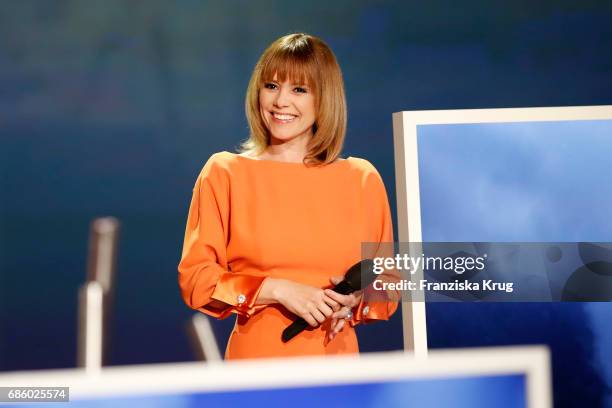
{"x":203,"y":338}
{"x":91,"y":327}
{"x":97,"y":294}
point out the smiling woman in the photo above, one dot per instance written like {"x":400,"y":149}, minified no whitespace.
{"x":297,"y":74}
{"x":271,"y":230}
{"x":288,"y":110}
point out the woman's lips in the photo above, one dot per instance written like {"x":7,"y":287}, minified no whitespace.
{"x":283,"y":117}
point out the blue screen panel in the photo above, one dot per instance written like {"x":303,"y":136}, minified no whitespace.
{"x":518,"y":182}
{"x":505,"y":391}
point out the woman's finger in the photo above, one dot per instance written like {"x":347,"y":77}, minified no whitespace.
{"x":340,"y":314}
{"x":318,"y":316}
{"x":332,"y":325}
{"x":326,"y":310}
{"x":339,"y":326}
{"x":332,"y":303}
{"x":342,"y":299}
{"x":310,"y":320}
{"x":345,"y":300}
{"x":336,"y":279}
{"x":335,"y":328}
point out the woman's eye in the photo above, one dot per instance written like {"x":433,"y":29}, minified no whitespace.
{"x":269,"y":85}
{"x":300,"y":90}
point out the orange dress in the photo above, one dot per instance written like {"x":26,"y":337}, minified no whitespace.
{"x":250,"y":219}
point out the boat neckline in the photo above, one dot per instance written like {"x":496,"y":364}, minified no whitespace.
{"x":283,"y":162}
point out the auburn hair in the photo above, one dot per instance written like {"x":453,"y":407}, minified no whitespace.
{"x":304,"y":59}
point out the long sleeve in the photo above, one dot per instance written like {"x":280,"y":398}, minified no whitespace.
{"x":204,"y":275}
{"x":375,"y":305}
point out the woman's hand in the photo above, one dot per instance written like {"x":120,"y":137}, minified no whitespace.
{"x":308,"y":302}
{"x":348,"y":302}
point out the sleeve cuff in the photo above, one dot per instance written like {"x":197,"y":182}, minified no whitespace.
{"x":239,"y":291}
{"x":368,"y":311}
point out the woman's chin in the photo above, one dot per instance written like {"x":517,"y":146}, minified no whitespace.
{"x":283,"y":138}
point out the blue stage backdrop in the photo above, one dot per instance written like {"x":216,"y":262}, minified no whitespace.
{"x":514,"y":182}
{"x":112,"y":108}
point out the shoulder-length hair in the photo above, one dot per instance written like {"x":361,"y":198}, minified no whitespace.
{"x":306,"y":59}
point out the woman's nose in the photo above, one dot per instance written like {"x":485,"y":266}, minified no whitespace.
{"x":282,"y":98}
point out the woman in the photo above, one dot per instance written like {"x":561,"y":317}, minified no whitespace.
{"x":272,"y":229}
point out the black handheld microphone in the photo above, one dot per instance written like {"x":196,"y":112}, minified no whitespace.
{"x":352,"y":282}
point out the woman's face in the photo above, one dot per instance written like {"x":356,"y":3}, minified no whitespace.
{"x":287,"y":109}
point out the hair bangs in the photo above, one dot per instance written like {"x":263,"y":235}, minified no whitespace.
{"x":296,"y":64}
{"x":306,"y":60}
